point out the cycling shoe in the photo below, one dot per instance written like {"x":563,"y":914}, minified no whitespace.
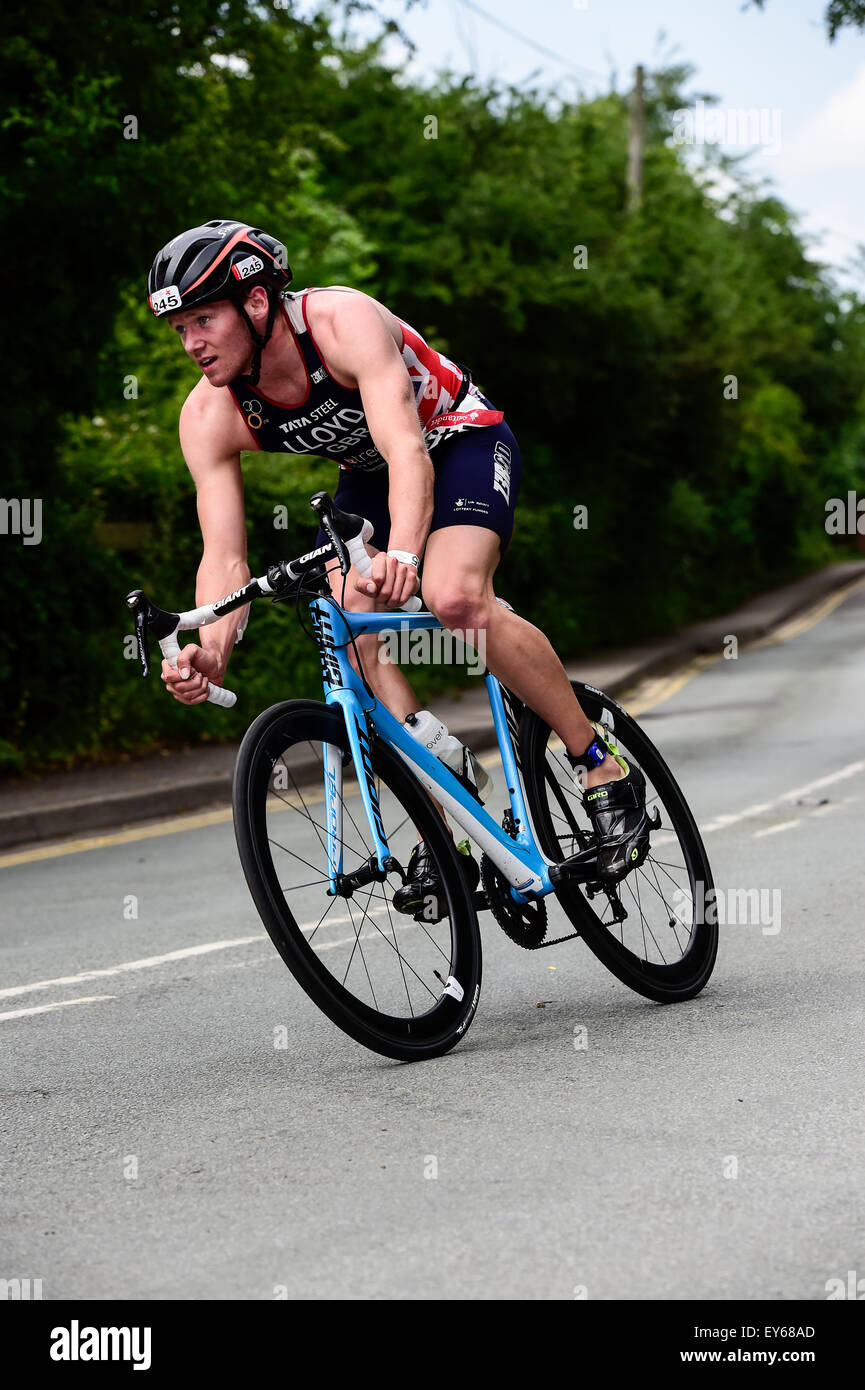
{"x":422,"y":894}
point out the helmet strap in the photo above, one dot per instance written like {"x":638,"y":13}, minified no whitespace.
{"x":260,"y":340}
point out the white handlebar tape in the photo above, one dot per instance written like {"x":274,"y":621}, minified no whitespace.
{"x":216,"y":694}
{"x":360,"y":558}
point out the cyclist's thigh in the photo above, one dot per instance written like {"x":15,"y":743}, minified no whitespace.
{"x":478,"y":476}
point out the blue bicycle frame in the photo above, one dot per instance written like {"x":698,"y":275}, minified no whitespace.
{"x":519,"y":859}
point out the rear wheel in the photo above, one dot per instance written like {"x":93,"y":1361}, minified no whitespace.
{"x":656,"y":930}
{"x":403,"y":987}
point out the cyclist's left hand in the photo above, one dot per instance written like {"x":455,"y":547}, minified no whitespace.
{"x":391,"y":581}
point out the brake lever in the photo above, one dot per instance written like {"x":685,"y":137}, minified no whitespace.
{"x":139,"y":603}
{"x":336,"y":540}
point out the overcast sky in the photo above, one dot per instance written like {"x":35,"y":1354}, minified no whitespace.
{"x":778,"y":60}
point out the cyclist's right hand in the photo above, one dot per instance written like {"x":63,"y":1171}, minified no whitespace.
{"x":202,"y":667}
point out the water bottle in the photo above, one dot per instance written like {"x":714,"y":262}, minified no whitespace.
{"x":428,"y":729}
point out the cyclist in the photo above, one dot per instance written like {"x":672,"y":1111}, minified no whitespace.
{"x":423,"y":454}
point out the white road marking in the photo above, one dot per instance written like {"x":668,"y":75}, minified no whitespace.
{"x":721,"y":822}
{"x":146,"y":963}
{"x":149,"y":962}
{"x":45,"y":1008}
{"x":773,"y":829}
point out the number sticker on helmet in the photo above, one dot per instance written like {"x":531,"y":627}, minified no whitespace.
{"x":250,"y":266}
{"x":165,"y":299}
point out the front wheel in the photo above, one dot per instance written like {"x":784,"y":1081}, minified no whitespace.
{"x":656,"y":929}
{"x":404,"y":987}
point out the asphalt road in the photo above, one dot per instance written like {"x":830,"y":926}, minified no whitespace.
{"x":158,"y":1144}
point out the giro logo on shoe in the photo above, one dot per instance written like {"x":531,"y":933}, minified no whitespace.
{"x":635,"y":854}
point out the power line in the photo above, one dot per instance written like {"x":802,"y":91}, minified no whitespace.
{"x":523,"y":38}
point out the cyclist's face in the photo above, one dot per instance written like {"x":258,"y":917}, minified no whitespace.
{"x":217,"y":340}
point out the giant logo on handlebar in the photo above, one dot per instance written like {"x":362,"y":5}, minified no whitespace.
{"x":229,"y":598}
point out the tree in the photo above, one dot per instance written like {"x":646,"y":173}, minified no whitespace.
{"x":839,"y":14}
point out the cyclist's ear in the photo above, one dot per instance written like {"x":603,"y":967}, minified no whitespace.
{"x":256,"y":302}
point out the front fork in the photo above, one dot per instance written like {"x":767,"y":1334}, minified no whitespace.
{"x":333,"y":810}
{"x":381,"y":862}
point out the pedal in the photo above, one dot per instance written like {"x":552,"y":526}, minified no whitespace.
{"x":578,"y":868}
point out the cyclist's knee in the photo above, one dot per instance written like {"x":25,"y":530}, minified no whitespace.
{"x":458,"y":607}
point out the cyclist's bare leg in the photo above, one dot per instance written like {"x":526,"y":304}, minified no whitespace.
{"x":384,"y":678}
{"x":459,"y":563}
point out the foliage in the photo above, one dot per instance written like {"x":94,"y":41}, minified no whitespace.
{"x":693,"y":378}
{"x":838,"y":15}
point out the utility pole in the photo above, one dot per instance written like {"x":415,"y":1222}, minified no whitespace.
{"x":636,"y":137}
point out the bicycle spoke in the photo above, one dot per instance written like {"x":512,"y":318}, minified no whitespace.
{"x":644,"y":923}
{"x":399,"y":982}
{"x":362,"y":957}
{"x":639,"y":932}
{"x":302,"y":801}
{"x":667,"y":872}
{"x":394,"y":946}
{"x":420,"y":923}
{"x":292,"y":852}
{"x":339,"y":841}
{"x":671,"y":914}
{"x":320,"y":920}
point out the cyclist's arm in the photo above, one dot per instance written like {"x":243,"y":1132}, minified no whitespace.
{"x":361,"y":346}
{"x":211,"y":444}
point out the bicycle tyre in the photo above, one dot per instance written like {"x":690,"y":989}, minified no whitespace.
{"x":407,"y":1038}
{"x":662,"y":981}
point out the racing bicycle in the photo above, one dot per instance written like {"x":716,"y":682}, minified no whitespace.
{"x":330,"y":797}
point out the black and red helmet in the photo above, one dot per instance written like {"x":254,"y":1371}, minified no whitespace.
{"x":220,"y":260}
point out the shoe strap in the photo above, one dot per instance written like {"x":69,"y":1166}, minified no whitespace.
{"x":613,"y":796}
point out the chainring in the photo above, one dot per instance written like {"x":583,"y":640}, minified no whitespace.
{"x":524,"y":923}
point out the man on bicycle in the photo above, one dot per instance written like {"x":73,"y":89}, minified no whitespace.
{"x":422,"y":454}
